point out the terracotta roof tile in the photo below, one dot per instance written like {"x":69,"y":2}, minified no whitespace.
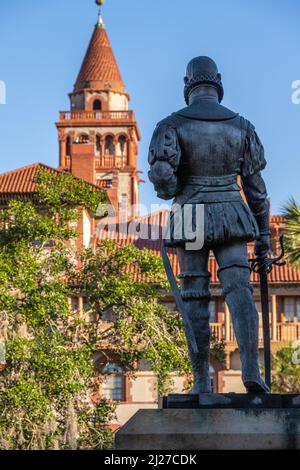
{"x":99,"y":69}
{"x":157,"y":221}
{"x":22,"y":181}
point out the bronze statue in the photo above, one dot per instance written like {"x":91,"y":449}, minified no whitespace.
{"x":196,"y":156}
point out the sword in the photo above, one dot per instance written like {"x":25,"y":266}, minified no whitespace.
{"x":178,"y":299}
{"x":263,"y":266}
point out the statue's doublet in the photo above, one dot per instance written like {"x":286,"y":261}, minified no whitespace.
{"x":196,"y":156}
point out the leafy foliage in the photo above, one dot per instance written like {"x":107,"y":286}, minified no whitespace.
{"x":286,"y":370}
{"x":48,"y":384}
{"x":142,"y":327}
{"x":66,"y":192}
{"x":291,"y":212}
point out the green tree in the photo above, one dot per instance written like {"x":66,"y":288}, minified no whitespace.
{"x":142,"y":326}
{"x":291,"y":213}
{"x":47,"y":384}
{"x":286,"y":370}
{"x":49,"y":378}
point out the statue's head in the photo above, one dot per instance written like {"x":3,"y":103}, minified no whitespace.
{"x":202,"y":71}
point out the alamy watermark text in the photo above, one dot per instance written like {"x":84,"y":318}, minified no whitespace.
{"x":2,"y":92}
{"x":296,"y":94}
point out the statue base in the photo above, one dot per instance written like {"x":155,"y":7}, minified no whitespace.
{"x":215,"y":422}
{"x":230,"y":400}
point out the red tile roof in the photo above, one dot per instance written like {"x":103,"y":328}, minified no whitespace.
{"x":22,"y":181}
{"x":99,"y":69}
{"x":156,"y":222}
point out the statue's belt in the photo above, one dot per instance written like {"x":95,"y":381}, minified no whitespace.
{"x":212,"y":181}
{"x":209,"y":189}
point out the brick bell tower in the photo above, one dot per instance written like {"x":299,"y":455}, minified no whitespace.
{"x":98,"y":137}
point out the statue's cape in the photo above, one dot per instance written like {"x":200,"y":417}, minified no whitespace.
{"x":207,"y":110}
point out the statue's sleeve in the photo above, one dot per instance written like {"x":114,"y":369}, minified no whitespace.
{"x":252,"y":181}
{"x":254,"y":153}
{"x":164,"y":158}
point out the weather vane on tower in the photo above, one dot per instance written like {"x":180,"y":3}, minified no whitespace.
{"x":100,"y":20}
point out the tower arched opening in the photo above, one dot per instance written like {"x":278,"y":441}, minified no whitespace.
{"x":97,"y":105}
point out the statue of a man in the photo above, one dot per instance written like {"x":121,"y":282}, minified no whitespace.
{"x":196,"y":156}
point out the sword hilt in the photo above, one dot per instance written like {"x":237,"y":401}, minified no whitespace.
{"x":266,"y":264}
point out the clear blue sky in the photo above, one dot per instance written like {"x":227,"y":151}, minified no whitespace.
{"x":254,"y":42}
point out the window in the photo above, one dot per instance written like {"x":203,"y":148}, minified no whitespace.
{"x":122,"y":145}
{"x":68,"y":147}
{"x":74,"y":303}
{"x":259,"y":309}
{"x":97,"y":106}
{"x":109,"y":145}
{"x":85,"y":305}
{"x":112,"y":369}
{"x":98,"y":144}
{"x":212,"y":311}
{"x":113,"y":384}
{"x":289,"y":308}
{"x":298,"y":309}
{"x":105,"y":183}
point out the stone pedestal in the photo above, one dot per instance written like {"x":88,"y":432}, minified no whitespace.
{"x":212,"y":425}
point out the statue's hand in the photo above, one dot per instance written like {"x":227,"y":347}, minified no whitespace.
{"x":163,"y":177}
{"x":262,"y":247}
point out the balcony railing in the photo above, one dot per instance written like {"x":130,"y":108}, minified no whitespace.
{"x":285,"y":332}
{"x":97,"y":116}
{"x":288,"y":331}
{"x":111,"y":161}
{"x":218,"y":330}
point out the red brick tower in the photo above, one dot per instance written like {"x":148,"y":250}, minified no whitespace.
{"x":99,"y":136}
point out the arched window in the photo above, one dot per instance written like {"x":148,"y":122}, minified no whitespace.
{"x":113,"y":384}
{"x":98,"y":144}
{"x":83,"y":139}
{"x":97,"y":105}
{"x":68,"y":147}
{"x":109,"y":145}
{"x":122,"y":145}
